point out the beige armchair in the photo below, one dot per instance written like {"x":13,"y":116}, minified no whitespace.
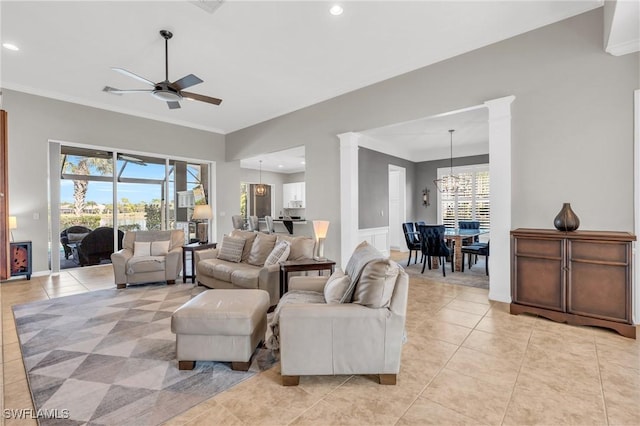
{"x":342,"y":338}
{"x":148,"y":256}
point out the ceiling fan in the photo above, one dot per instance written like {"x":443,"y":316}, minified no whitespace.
{"x":172,"y":93}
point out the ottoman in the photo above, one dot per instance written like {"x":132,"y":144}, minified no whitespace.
{"x":220,"y":325}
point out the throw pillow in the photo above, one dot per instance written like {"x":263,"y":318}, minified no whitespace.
{"x":301,"y":247}
{"x":260,"y":249}
{"x":376,"y":284}
{"x":141,"y":249}
{"x":336,"y":286}
{"x":249,"y":236}
{"x":159,"y":248}
{"x":231,"y":249}
{"x":280,"y":253}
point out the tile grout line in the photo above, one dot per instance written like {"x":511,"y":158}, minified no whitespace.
{"x":604,"y":400}
{"x":513,"y":388}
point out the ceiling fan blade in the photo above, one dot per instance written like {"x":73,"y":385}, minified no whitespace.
{"x":115,"y":91}
{"x":173,"y":105}
{"x":186,"y":81}
{"x":201,"y":98}
{"x":132,"y":75}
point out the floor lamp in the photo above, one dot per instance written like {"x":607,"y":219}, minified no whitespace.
{"x":202,"y":213}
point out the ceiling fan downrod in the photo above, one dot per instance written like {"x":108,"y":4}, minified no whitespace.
{"x":166,"y":35}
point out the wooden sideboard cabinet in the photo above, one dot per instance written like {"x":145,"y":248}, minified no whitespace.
{"x":580,"y":277}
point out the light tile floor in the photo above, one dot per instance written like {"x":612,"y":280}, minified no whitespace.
{"x":467,"y":361}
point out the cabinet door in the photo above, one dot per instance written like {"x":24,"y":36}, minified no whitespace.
{"x":599,"y":279}
{"x":538,"y":274}
{"x":301,"y":189}
{"x":287,"y":194}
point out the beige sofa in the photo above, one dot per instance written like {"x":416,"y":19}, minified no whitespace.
{"x":148,"y":256}
{"x":250,"y":271}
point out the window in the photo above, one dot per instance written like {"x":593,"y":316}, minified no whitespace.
{"x":471,"y":202}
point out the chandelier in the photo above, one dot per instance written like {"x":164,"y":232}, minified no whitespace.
{"x":261,"y":189}
{"x":451,"y":182}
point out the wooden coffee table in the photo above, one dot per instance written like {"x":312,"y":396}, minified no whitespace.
{"x":302,"y":265}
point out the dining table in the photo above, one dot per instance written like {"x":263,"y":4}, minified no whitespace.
{"x":458,"y":235}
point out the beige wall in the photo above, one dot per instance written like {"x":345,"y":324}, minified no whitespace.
{"x":34,"y":120}
{"x":572,"y":123}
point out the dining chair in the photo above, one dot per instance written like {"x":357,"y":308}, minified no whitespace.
{"x":238,"y":221}
{"x":480,"y":249}
{"x":254,"y":223}
{"x":432,"y":244}
{"x":412,"y":237}
{"x":469,"y":224}
{"x":268,"y":220}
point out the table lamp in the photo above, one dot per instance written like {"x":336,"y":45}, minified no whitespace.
{"x":202,"y":213}
{"x":13,"y":224}
{"x":320,"y":228}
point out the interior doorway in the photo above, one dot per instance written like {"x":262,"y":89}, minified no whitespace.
{"x":397,"y":206}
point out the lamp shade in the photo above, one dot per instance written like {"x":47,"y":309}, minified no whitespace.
{"x":13,"y":222}
{"x":320,"y":228}
{"x":202,"y":212}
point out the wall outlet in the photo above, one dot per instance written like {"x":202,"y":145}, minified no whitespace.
{"x":222,"y":214}
{"x":36,"y":216}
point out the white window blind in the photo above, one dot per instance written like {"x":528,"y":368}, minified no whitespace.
{"x":471,"y":202}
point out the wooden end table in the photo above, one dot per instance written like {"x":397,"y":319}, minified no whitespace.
{"x":191,"y":248}
{"x":302,"y":265}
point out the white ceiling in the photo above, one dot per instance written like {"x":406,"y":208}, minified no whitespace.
{"x":263,"y":58}
{"x":428,"y":139}
{"x":286,"y":161}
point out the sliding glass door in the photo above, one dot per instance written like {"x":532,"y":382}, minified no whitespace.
{"x":107,"y":193}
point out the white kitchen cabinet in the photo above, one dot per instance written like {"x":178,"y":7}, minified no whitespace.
{"x":293,"y":195}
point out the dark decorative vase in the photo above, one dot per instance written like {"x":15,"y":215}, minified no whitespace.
{"x":566,"y":220}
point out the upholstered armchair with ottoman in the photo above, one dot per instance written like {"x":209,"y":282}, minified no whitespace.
{"x":251,"y":260}
{"x":148,"y":256}
{"x":349,"y":323}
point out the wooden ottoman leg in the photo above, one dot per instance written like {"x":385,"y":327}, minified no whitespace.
{"x":121,"y":286}
{"x":241,"y":366}
{"x":186,"y":365}
{"x":171,"y":281}
{"x":387,"y":379}
{"x":290,"y":380}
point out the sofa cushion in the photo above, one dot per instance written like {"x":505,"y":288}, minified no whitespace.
{"x":159,"y":248}
{"x":249,"y":236}
{"x":231,"y":249}
{"x":141,"y":249}
{"x":336,"y":286}
{"x":280,"y":253}
{"x":260,"y":249}
{"x":301,"y":247}
{"x":246,"y":276}
{"x":140,"y":264}
{"x":375,"y":287}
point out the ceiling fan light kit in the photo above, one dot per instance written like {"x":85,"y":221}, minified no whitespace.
{"x":166,"y":91}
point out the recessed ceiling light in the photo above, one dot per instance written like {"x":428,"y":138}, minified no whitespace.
{"x":302,"y":162}
{"x":10,"y":46}
{"x":280,"y":166}
{"x":336,"y":10}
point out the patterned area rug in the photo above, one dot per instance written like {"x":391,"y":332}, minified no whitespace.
{"x":474,"y":277}
{"x":108,"y":357}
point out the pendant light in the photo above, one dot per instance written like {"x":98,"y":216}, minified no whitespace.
{"x":451,"y":182}
{"x":261,"y":190}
